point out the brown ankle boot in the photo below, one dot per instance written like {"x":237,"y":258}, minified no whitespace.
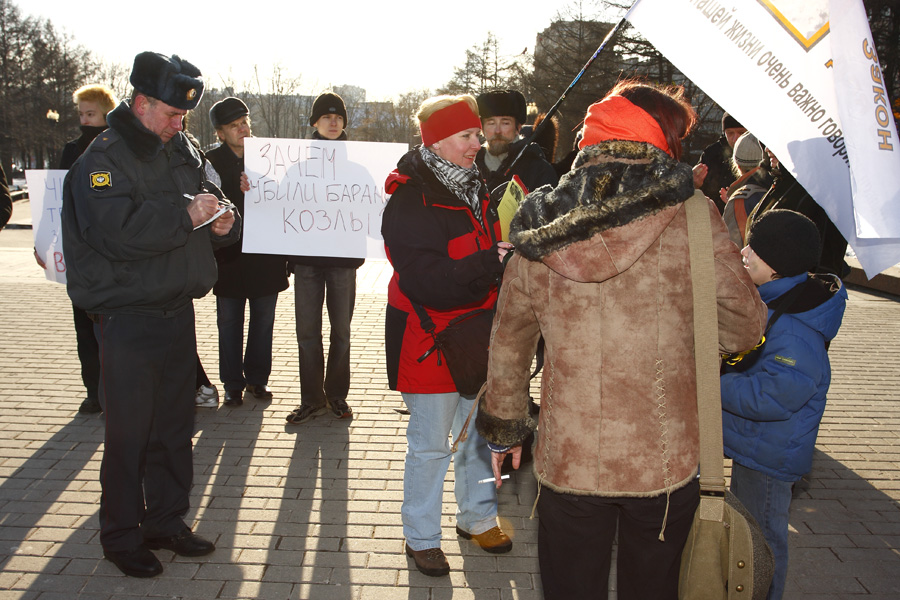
{"x":430,"y":561}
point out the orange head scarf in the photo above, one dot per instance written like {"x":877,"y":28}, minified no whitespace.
{"x":616,"y":118}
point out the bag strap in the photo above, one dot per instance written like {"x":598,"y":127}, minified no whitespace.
{"x":424,"y":317}
{"x":464,"y":432}
{"x":706,"y":345}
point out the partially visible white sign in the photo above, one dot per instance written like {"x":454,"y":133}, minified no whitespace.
{"x":45,"y":196}
{"x":316,"y":197}
{"x":803,"y":76}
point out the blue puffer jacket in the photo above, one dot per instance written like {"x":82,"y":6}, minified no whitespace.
{"x":774,"y":398}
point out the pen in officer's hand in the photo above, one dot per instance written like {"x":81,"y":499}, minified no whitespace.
{"x":226,"y":203}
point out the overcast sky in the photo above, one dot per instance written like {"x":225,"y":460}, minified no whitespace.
{"x":387,"y":51}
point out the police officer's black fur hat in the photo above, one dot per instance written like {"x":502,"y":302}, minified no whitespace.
{"x":225,"y":111}
{"x":172,"y":80}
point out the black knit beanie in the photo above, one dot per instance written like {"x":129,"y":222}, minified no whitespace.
{"x":328,"y":103}
{"x":787,"y":241}
{"x":729,"y":122}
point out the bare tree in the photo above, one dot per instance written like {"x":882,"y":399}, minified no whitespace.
{"x":561,"y":50}
{"x":392,"y":121}
{"x":487,"y":68}
{"x":277,"y":106}
{"x":15,"y":38}
{"x":114,"y":75}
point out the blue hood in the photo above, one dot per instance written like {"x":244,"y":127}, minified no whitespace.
{"x":820,"y":307}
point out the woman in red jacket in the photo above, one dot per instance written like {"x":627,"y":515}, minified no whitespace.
{"x":441,"y":238}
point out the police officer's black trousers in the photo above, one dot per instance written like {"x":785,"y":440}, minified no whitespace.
{"x":148,"y":370}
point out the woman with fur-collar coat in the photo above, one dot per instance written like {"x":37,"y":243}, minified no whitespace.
{"x":601,"y":271}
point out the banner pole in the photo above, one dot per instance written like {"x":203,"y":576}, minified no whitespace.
{"x":555,"y":108}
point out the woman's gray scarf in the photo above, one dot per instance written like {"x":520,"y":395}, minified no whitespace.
{"x":465,"y":184}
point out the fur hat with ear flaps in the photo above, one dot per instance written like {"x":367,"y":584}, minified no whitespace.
{"x":171,"y":80}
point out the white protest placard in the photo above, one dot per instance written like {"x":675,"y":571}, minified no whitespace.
{"x":45,"y":196}
{"x":316,"y":197}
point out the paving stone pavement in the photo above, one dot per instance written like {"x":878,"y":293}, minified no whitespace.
{"x":312,"y":511}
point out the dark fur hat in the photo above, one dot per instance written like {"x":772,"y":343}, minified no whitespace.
{"x":328,"y":103}
{"x":225,"y":111}
{"x":503,"y":103}
{"x":172,"y":80}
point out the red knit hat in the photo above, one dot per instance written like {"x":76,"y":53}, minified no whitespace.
{"x":447,"y":121}
{"x":616,"y":118}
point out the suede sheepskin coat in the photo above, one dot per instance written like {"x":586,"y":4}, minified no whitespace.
{"x":602,"y":271}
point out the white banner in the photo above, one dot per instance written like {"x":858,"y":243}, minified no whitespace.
{"x":316,"y":197}
{"x":45,"y":197}
{"x":869,"y":130}
{"x":773,"y":65}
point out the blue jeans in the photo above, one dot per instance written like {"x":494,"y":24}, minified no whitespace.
{"x":256,"y":365}
{"x":769,"y":501}
{"x":432,"y":417}
{"x":316,"y":382}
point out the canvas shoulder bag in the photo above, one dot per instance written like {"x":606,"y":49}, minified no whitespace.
{"x":726,"y":555}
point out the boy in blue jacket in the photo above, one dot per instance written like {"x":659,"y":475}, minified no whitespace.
{"x":773,"y":399}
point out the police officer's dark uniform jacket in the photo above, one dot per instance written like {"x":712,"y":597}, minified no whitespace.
{"x":128,"y":239}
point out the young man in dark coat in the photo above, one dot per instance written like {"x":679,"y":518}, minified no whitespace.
{"x":243,"y":278}
{"x":324,"y":385}
{"x":93,"y":102}
{"x":503,"y":112}
{"x":713,"y":172}
{"x":138,"y":235}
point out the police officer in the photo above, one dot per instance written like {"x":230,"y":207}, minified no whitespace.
{"x":139,"y":245}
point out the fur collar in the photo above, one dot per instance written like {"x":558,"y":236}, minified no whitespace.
{"x":610,"y":185}
{"x":142,"y":142}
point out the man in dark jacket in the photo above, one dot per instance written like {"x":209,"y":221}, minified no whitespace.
{"x":138,"y":236}
{"x":324,"y":385}
{"x":503,"y":112}
{"x":243,"y":278}
{"x":94,"y":101}
{"x":713,"y":171}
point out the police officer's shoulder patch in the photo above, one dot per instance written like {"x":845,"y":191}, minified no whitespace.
{"x":100,"y":180}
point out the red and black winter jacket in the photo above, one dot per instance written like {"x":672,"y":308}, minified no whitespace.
{"x":443,"y":259}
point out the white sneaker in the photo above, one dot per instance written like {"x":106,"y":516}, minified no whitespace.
{"x":207,"y":396}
